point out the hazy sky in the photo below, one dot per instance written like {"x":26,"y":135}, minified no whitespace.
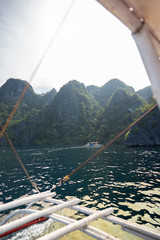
{"x":91,"y":47}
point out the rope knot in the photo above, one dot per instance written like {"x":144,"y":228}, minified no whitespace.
{"x":65,"y":179}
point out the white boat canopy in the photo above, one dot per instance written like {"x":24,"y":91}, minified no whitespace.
{"x":143,"y":19}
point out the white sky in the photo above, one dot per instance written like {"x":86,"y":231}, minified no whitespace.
{"x":92,"y":46}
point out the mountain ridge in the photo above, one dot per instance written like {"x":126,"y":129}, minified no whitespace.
{"x":73,"y":115}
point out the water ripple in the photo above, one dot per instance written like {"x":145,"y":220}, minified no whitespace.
{"x":127,"y":179}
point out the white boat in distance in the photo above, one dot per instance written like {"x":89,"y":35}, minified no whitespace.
{"x":93,"y":145}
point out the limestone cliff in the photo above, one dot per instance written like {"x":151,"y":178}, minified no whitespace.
{"x":147,"y":132}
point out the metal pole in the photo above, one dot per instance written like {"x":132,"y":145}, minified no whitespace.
{"x":44,"y":213}
{"x":25,"y":200}
{"x":76,"y":225}
{"x":150,"y":58}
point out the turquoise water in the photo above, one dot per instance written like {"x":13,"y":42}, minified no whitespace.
{"x":128,"y":179}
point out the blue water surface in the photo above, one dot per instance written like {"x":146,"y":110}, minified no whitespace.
{"x":128,"y":179}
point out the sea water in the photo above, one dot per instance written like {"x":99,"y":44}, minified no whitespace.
{"x":127,"y":179}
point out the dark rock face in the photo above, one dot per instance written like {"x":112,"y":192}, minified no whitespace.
{"x":103,"y":94}
{"x":13,"y":88}
{"x":147,"y":132}
{"x":77,"y":114}
{"x":146,"y":93}
{"x":72,"y":103}
{"x":49,"y":96}
{"x":124,"y":99}
{"x":92,"y":89}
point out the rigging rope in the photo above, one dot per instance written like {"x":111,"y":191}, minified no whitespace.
{"x":3,"y":129}
{"x":2,"y":132}
{"x":37,"y":68}
{"x":17,"y":156}
{"x":67,"y":177}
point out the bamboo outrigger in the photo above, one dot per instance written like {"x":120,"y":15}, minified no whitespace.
{"x":145,"y":28}
{"x":34,"y":216}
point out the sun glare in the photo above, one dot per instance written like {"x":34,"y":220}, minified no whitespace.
{"x":92,"y":46}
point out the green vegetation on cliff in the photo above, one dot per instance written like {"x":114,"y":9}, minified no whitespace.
{"x":74,"y":115}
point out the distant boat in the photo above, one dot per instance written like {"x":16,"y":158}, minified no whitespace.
{"x":142,"y":18}
{"x":93,"y":145}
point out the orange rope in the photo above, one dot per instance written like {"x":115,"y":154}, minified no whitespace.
{"x":14,"y":110}
{"x":37,"y":67}
{"x":66,"y":178}
{"x":17,"y":156}
{"x":3,"y":129}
